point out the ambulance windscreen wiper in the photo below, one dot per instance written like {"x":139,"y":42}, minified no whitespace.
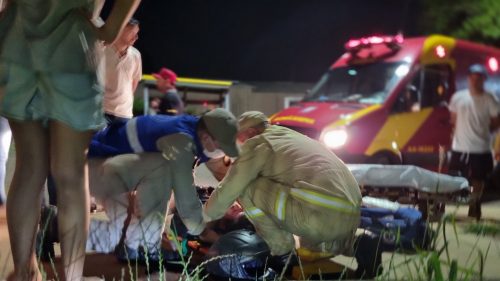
{"x":321,"y":98}
{"x":352,"y":98}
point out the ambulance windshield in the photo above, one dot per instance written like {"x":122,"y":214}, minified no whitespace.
{"x":367,"y":83}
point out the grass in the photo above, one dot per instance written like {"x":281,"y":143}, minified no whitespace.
{"x":437,"y":263}
{"x":483,"y":229}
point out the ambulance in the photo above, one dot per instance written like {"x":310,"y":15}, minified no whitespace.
{"x":385,"y":100}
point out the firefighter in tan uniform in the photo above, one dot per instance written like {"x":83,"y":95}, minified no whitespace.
{"x":289,"y":184}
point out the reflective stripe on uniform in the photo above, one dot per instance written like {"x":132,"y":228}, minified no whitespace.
{"x":133,"y":137}
{"x":254,"y":212}
{"x":325,"y":201}
{"x":280,"y":204}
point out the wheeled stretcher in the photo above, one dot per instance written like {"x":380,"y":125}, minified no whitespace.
{"x":408,"y":184}
{"x":405,"y":184}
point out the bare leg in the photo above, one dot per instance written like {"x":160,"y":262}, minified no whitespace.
{"x":25,"y":196}
{"x":68,"y":149}
{"x":5,"y":138}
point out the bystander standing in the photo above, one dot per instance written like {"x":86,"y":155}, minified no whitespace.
{"x":49,"y":92}
{"x":170,"y":103}
{"x":122,"y":72}
{"x":474,"y":114}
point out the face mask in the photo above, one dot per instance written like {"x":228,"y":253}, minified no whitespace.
{"x":214,"y":154}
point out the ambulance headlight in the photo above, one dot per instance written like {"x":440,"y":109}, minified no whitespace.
{"x":334,"y":138}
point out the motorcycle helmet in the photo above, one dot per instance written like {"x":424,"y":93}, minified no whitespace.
{"x":239,"y":255}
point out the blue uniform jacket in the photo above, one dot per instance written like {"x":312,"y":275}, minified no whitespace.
{"x":141,"y":133}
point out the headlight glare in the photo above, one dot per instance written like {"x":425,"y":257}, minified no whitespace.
{"x":334,"y":138}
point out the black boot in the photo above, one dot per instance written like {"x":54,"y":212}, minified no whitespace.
{"x":369,"y":256}
{"x":283,"y":263}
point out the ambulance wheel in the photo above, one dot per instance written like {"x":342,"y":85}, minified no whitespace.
{"x":384,"y":158}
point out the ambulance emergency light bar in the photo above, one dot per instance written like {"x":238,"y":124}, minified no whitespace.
{"x":440,"y":51}
{"x":493,"y":64}
{"x":390,"y":41}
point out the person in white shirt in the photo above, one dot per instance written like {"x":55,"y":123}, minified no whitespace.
{"x":122,"y":71}
{"x":474,"y":114}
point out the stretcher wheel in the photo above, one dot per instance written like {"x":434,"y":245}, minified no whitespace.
{"x":431,"y":210}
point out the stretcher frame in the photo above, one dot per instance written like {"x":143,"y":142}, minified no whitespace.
{"x":406,"y":184}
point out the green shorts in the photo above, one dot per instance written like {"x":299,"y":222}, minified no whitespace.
{"x":74,"y":99}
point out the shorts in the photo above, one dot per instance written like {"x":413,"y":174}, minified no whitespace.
{"x":74,"y":99}
{"x":473,"y":166}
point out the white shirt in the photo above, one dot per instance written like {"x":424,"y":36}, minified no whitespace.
{"x":121,"y":76}
{"x":472,"y":128}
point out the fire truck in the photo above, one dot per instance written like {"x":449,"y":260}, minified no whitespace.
{"x":385,"y":100}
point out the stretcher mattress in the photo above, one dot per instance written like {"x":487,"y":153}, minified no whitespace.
{"x":406,"y":176}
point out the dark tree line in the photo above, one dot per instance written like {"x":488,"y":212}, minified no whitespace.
{"x":475,"y":20}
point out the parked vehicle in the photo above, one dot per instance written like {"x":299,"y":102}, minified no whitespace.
{"x":385,"y":100}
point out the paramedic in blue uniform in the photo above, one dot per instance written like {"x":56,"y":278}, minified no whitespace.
{"x":153,"y":155}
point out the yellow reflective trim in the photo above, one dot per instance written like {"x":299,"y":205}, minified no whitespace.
{"x":148,"y":77}
{"x":279,"y":205}
{"x":325,"y":201}
{"x":272,"y":116}
{"x":398,"y":128}
{"x":254,"y":212}
{"x":429,"y":55}
{"x":294,"y":118}
{"x":353,"y":116}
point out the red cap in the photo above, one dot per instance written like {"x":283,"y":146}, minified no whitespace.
{"x":166,"y":74}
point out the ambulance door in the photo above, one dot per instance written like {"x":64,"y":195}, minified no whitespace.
{"x":423,"y":105}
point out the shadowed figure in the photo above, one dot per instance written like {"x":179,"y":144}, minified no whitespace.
{"x":51,"y":96}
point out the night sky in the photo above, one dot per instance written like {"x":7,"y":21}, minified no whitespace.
{"x":261,"y":40}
